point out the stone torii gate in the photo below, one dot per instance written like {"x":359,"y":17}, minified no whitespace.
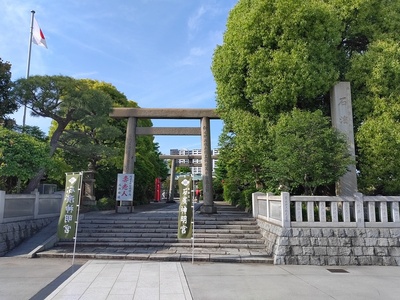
{"x":173,"y":159}
{"x":132,"y":130}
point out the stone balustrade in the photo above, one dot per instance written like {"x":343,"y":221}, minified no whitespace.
{"x":319,"y":230}
{"x":20,"y":207}
{"x":323,"y":211}
{"x":21,"y":216}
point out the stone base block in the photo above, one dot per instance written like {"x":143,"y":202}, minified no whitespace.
{"x":208,"y":209}
{"x":87,"y":202}
{"x":124,"y":209}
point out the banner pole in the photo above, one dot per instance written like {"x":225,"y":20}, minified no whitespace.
{"x":193,"y":197}
{"x":77,"y":216}
{"x":192,"y":232}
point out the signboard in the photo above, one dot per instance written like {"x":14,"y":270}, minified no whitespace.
{"x":70,"y":206}
{"x":125,"y":187}
{"x":185,"y":216}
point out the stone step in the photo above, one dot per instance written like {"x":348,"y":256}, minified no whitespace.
{"x":128,"y":231}
{"x":230,"y":235}
{"x":85,"y":240}
{"x":160,"y":243}
{"x":256,"y":230}
{"x":160,"y":222}
{"x":161,"y":254}
{"x":216,"y":234}
{"x":85,"y":227}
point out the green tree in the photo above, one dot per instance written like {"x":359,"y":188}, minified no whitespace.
{"x":376,"y":74}
{"x":379,"y":142}
{"x":33,"y":131}
{"x":21,"y":156}
{"x":278,"y":55}
{"x":239,"y":168}
{"x":63,"y":99}
{"x":90,"y":140}
{"x":7,"y":105}
{"x":307,"y":152}
{"x":183,"y":169}
{"x":98,"y":145}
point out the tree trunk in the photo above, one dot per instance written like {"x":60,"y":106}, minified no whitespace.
{"x":35,"y":181}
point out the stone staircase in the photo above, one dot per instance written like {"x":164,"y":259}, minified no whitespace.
{"x":231,"y":235}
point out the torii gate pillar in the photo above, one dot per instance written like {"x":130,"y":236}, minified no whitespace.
{"x":208,"y":203}
{"x":172,"y":181}
{"x":129,"y":161}
{"x":130,"y":146}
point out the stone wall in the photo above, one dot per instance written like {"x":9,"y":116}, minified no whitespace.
{"x":14,"y":233}
{"x":332,"y":246}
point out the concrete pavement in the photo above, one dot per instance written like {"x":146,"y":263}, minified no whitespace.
{"x":39,"y":278}
{"x":23,"y":278}
{"x":260,"y":281}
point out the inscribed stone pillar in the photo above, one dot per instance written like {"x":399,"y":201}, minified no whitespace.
{"x":342,"y":120}
{"x":206,"y":169}
{"x":172,"y":181}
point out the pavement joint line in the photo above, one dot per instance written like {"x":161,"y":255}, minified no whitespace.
{"x":48,"y":289}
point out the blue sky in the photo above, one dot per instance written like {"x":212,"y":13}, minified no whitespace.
{"x":157,"y":52}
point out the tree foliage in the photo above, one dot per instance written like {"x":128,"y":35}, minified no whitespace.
{"x":379,"y":142}
{"x":21,"y":156}
{"x":280,"y":55}
{"x":307,"y":152}
{"x":63,"y":99}
{"x":97,"y":144}
{"x":92,"y":139}
{"x":7,"y":105}
{"x":376,"y":74}
{"x":83,"y":136}
{"x":276,"y":55}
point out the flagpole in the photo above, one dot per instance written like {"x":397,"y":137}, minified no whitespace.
{"x":29,"y":62}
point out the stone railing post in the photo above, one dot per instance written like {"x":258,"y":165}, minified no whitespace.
{"x":359,"y":210}
{"x":268,"y":205}
{"x":36,"y":205}
{"x":2,"y":205}
{"x":254,"y":203}
{"x":395,"y":212}
{"x":285,"y":196}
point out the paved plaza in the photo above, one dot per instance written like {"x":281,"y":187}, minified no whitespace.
{"x":23,"y":278}
{"x":39,"y":278}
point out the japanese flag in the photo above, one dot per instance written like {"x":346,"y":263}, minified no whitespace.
{"x":37,"y":35}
